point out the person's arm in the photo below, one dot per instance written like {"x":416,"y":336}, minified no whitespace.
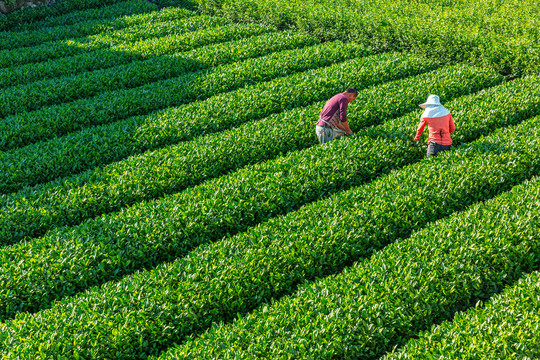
{"x":343,"y":103}
{"x":420,"y":129}
{"x":345,"y":127}
{"x":452,"y":125}
{"x":344,"y":124}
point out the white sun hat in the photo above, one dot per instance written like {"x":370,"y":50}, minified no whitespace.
{"x":431,"y":100}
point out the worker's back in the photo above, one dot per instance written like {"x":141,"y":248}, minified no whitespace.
{"x":440,"y":129}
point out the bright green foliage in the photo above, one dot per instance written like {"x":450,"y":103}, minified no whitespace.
{"x":34,"y":210}
{"x":33,"y":96}
{"x":143,"y":313}
{"x":24,"y":128}
{"x":100,"y":145}
{"x":121,"y":15}
{"x":208,"y":157}
{"x":233,"y":225}
{"x":30,"y":16}
{"x":165,"y":22}
{"x":381,"y":302}
{"x":179,"y":222}
{"x":501,"y":34}
{"x":509,"y":325}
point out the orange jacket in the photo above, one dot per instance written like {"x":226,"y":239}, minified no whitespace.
{"x":440,"y":129}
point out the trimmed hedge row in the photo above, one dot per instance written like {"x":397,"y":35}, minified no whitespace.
{"x":170,"y":21}
{"x":188,"y":4}
{"x":31,"y":212}
{"x":118,"y":55}
{"x":144,"y":313}
{"x":44,"y":13}
{"x":180,"y":222}
{"x":13,"y":40}
{"x":102,"y":13}
{"x":508,"y":327}
{"x":26,"y":128}
{"x":503,"y":35}
{"x":66,"y":89}
{"x":98,"y":146}
{"x":379,"y":303}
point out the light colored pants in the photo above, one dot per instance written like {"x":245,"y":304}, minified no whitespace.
{"x":326,"y":134}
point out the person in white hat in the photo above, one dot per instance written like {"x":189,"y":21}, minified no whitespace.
{"x":440,"y":124}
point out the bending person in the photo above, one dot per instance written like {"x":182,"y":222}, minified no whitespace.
{"x":332,"y":122}
{"x":440,"y":124}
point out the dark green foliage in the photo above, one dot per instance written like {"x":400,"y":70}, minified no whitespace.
{"x":35,"y":15}
{"x":103,"y":14}
{"x":113,"y":17}
{"x":186,"y":4}
{"x":156,"y":24}
{"x":122,"y":54}
{"x":66,"y":89}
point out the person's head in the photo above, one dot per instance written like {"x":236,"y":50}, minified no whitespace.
{"x":431,"y":100}
{"x":350,"y":94}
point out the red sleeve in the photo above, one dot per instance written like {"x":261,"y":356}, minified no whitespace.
{"x":420,"y":129}
{"x":343,"y":103}
{"x":452,"y":125}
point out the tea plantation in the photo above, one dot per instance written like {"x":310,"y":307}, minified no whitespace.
{"x":163,"y":194}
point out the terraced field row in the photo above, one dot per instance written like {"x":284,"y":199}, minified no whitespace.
{"x":162,"y":192}
{"x":70,"y":88}
{"x":24,"y":128}
{"x":398,"y":208}
{"x":113,"y":17}
{"x":34,"y":210}
{"x":45,"y":16}
{"x":499,"y":34}
{"x":381,"y":302}
{"x":508,"y":325}
{"x":169,"y":21}
{"x":124,"y":54}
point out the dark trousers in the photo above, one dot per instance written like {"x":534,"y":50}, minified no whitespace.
{"x":433,"y":148}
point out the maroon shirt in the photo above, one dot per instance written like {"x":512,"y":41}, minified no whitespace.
{"x":337,"y":103}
